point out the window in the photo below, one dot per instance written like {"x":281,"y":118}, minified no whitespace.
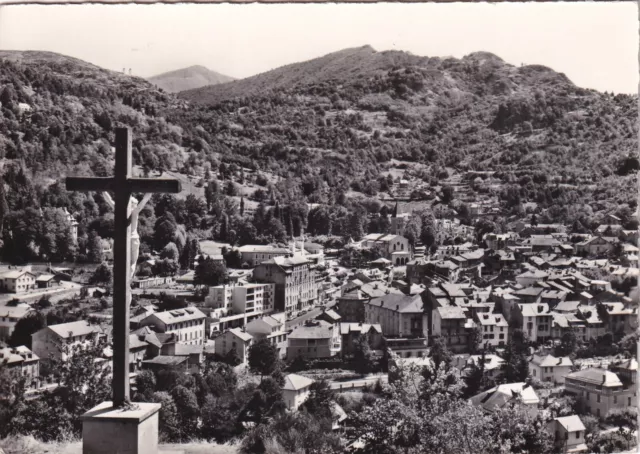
{"x":615,"y":399}
{"x":577,"y":434}
{"x":598,"y":412}
{"x":598,"y":398}
{"x":629,"y":401}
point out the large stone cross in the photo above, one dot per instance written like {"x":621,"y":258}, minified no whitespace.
{"x":123,"y":184}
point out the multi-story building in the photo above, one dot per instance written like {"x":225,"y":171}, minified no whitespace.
{"x":600,"y":391}
{"x":399,"y":315}
{"x":22,"y":361}
{"x":534,"y":320}
{"x":296,"y":390}
{"x":392,"y":247}
{"x":234,"y":339}
{"x":17,"y":281}
{"x":315,"y":339}
{"x":9,"y":316}
{"x":350,"y":332}
{"x":622,"y":318}
{"x":295,"y":282}
{"x":450,"y":323}
{"x":241,"y":298}
{"x":550,"y":368}
{"x":494,"y":327}
{"x":188,"y":324}
{"x":59,"y":341}
{"x":270,"y":327}
{"x":256,"y":254}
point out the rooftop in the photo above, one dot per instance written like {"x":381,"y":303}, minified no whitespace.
{"x":399,"y":302}
{"x":295,"y":382}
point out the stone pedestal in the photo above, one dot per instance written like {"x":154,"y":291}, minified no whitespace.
{"x":106,"y":430}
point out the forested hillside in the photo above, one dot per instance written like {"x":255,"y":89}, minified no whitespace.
{"x":308,"y":132}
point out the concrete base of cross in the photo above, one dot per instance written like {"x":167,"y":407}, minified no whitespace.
{"x":108,"y":430}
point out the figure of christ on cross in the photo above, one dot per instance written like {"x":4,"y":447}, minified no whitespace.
{"x":126,"y":212}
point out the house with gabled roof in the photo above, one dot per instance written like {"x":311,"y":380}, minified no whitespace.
{"x":350,"y":332}
{"x":272,"y":328}
{"x":234,"y":339}
{"x":9,"y":317}
{"x":295,"y":390}
{"x":393,"y":247}
{"x":58,"y":341}
{"x":315,"y":339}
{"x":498,"y":396}
{"x":398,"y":314}
{"x":550,"y":368}
{"x":534,"y":320}
{"x":568,"y":433}
{"x":17,"y":281}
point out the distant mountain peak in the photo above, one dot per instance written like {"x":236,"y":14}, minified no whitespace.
{"x":189,"y":78}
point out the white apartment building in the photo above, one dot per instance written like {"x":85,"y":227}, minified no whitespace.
{"x":187,"y":324}
{"x":241,"y":298}
{"x":58,"y":341}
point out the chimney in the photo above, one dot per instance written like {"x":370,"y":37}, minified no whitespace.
{"x":604,"y":378}
{"x":540,"y":308}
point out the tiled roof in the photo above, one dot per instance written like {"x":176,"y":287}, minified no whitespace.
{"x":166,"y":360}
{"x":399,"y":303}
{"x":319,"y":330}
{"x":451,"y":312}
{"x":571,"y":423}
{"x":79,"y":328}
{"x":597,"y":376}
{"x":534,"y":310}
{"x":498,"y":396}
{"x":551,"y":361}
{"x":241,"y":334}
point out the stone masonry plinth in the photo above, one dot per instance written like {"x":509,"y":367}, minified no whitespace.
{"x":106,"y":430}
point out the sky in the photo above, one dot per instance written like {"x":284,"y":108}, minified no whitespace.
{"x":594,"y":44}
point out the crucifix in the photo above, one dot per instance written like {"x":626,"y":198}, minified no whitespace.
{"x":123,"y":184}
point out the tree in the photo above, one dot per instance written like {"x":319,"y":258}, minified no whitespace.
{"x":362,"y":356}
{"x":102,"y":275}
{"x":170,"y":251}
{"x":211,"y":273}
{"x":241,"y":206}
{"x":263,"y":357}
{"x":4,"y":207}
{"x":568,"y":344}
{"x":475,"y":340}
{"x":447,"y":194}
{"x":428,"y":231}
{"x":187,"y":410}
{"x":94,"y":248}
{"x":320,"y":401}
{"x":516,"y":365}
{"x":169,"y":422}
{"x":145,"y":385}
{"x":25,"y":327}
{"x":293,"y":433}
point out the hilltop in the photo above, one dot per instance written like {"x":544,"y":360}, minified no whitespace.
{"x":189,"y":78}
